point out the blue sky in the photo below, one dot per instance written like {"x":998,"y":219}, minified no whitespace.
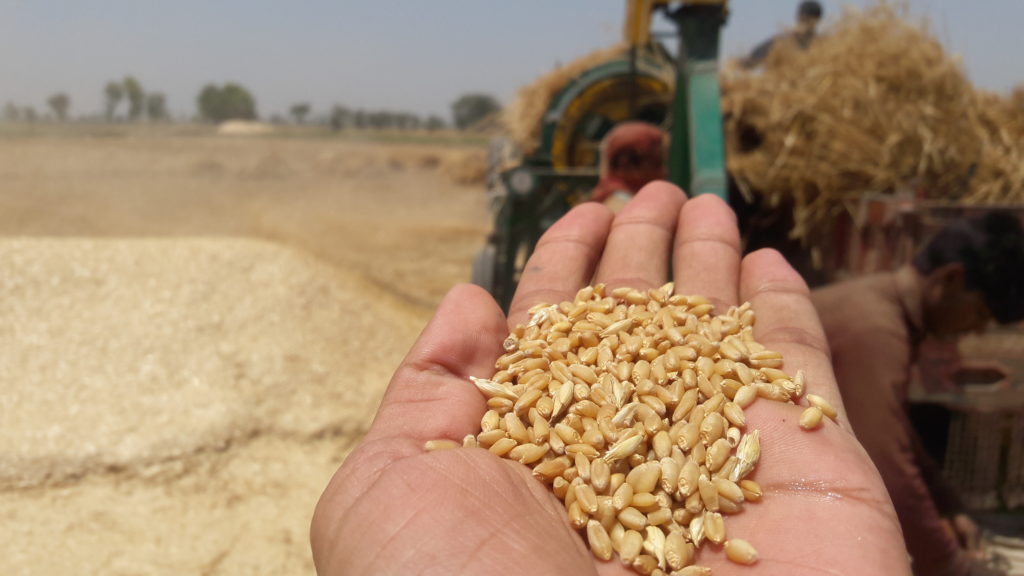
{"x":415,"y":55}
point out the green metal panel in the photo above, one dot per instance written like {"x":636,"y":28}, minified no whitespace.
{"x":707,"y":149}
{"x":645,"y":66}
{"x":696,"y":160}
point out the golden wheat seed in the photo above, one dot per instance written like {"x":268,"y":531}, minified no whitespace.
{"x":644,"y":478}
{"x":748,"y":453}
{"x":678,"y":552}
{"x":528,"y":453}
{"x":696,"y":530}
{"x":645,"y":502}
{"x":645,"y":564}
{"x":623,"y":496}
{"x":714,"y":527}
{"x":631,"y":547}
{"x":624,"y":448}
{"x":745,"y":396}
{"x":811,"y":418}
{"x":670,"y":469}
{"x":751,"y":490}
{"x":729,"y":490}
{"x":708,"y":494}
{"x":587,"y":498}
{"x":600,"y":542}
{"x":490,"y":421}
{"x":728,"y":507}
{"x":633,"y":519}
{"x":740,"y":551}
{"x":826,"y":408}
{"x":600,"y":475}
{"x":437,"y":445}
{"x":718,"y":454}
{"x":734,"y":414}
{"x":577,"y":517}
{"x":654,"y":544}
{"x":659,"y":517}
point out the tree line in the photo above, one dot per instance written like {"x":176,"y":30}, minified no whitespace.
{"x":126,"y":100}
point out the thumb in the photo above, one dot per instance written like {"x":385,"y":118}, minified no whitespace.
{"x":430,"y":395}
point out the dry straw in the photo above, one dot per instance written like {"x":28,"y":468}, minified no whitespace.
{"x":874,"y":106}
{"x":629,"y":405}
{"x":522,"y":118}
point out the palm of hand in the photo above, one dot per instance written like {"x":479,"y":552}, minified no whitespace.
{"x":394,"y":509}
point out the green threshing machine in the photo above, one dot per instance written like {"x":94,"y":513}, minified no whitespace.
{"x":678,"y":94}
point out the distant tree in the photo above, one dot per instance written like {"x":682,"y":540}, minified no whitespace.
{"x":29,"y":114}
{"x":229,"y":102}
{"x":380,"y":120}
{"x":340,"y":117}
{"x":114,"y":92}
{"x":435,"y":122}
{"x":407,"y":121}
{"x":472,"y":108}
{"x":359,"y":119}
{"x":156,"y":107}
{"x":136,"y":97}
{"x":300,"y":111}
{"x":11,"y":112}
{"x":59,"y":103}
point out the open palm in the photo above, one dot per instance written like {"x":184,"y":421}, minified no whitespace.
{"x":394,"y":509}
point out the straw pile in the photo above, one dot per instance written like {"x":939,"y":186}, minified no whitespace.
{"x":522,"y":118}
{"x":876,"y":105}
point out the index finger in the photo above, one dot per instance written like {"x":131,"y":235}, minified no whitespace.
{"x":564,"y":260}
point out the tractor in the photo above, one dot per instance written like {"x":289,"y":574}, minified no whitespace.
{"x":603,"y":133}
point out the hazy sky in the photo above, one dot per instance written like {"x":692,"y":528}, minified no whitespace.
{"x":415,"y":55}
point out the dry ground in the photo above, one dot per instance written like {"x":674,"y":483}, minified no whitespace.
{"x":195,"y":329}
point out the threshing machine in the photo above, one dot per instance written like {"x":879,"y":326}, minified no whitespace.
{"x":678,"y":94}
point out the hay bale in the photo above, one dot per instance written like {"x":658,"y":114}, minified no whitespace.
{"x":875,"y":105}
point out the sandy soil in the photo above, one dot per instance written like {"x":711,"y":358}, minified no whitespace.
{"x":195,"y":330}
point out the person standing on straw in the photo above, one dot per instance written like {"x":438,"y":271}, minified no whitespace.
{"x":808,"y":16}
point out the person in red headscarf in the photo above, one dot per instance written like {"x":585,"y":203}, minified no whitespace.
{"x":632,"y":155}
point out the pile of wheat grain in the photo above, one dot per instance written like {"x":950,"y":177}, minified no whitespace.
{"x":875,"y":105}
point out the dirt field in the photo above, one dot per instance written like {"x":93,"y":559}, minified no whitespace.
{"x":195,"y":329}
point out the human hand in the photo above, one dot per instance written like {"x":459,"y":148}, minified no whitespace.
{"x":394,"y":509}
{"x":966,"y":531}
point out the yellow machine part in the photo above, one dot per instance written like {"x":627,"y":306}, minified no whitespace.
{"x":613,"y":99}
{"x":636,"y":30}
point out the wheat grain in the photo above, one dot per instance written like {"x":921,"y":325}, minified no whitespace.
{"x":630,"y":404}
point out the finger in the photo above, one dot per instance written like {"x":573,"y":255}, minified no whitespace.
{"x":707,"y":251}
{"x":787,"y":321}
{"x":430,"y":396}
{"x":564,"y":260}
{"x":637,"y":251}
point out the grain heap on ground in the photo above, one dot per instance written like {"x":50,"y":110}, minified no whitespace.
{"x":630,"y":406}
{"x":875,"y":105}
